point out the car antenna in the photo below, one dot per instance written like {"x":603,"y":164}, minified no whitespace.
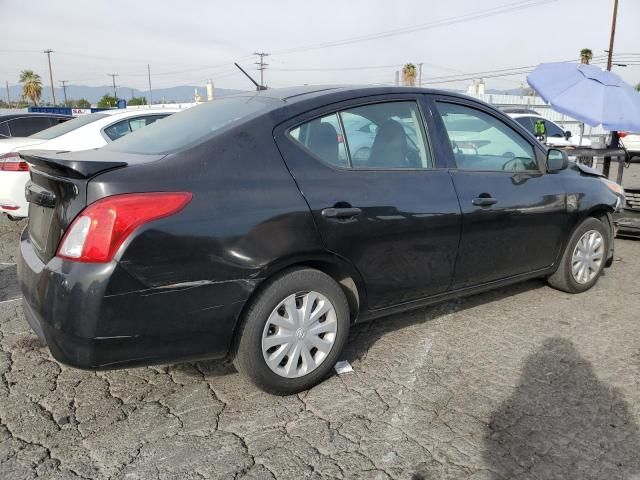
{"x":258,"y":86}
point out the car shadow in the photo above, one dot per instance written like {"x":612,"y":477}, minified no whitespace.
{"x":562,"y":422}
{"x":364,"y":335}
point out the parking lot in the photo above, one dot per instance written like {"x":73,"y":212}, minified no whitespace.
{"x":525,"y":382}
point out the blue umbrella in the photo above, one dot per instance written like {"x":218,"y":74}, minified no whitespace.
{"x":589,"y":94}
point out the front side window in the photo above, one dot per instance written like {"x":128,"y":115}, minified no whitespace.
{"x":377,"y":136}
{"x":482,"y":142}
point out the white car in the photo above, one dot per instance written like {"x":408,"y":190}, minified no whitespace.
{"x":82,"y":133}
{"x":556,"y":137}
{"x":631,"y":142}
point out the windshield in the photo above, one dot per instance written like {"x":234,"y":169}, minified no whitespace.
{"x":66,"y":127}
{"x":187,"y":128}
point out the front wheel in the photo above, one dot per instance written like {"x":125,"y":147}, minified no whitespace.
{"x":293,"y":332}
{"x":584,"y":258}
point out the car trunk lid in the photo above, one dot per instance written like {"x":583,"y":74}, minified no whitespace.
{"x":57,"y":191}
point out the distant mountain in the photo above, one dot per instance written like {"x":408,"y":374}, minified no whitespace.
{"x":182,"y":93}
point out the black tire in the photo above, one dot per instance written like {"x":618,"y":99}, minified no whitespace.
{"x":562,"y":278}
{"x":249,"y":359}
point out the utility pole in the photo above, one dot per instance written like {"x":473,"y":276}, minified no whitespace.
{"x":261,"y":66}
{"x":8,"y":96}
{"x":53,"y":92}
{"x":613,"y":34}
{"x":397,"y":78}
{"x":150,"y":92}
{"x":113,"y":77}
{"x":64,"y":89}
{"x":420,"y":74}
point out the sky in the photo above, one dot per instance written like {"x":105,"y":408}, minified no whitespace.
{"x":310,"y":41}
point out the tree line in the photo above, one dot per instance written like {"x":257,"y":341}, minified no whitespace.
{"x":32,"y":94}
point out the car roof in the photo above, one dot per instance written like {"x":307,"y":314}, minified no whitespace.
{"x":516,"y":109}
{"x":139,"y":111}
{"x":291,"y":95}
{"x":11,"y":116}
{"x":520,"y":115}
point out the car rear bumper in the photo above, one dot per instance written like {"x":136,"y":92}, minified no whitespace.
{"x":93,"y":316}
{"x":12,"y":199}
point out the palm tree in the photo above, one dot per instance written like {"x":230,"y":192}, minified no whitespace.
{"x":586,"y":55}
{"x":31,"y":85}
{"x":409,"y":75}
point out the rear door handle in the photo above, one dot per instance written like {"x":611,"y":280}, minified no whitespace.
{"x":484,"y":201}
{"x":348,"y":212}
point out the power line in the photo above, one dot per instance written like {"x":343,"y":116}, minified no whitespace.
{"x":336,"y":69}
{"x":522,"y":4}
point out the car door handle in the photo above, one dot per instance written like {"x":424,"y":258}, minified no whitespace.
{"x":484,"y":201}
{"x":348,"y":212}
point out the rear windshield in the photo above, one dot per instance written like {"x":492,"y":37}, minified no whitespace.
{"x":66,"y":127}
{"x":187,"y":128}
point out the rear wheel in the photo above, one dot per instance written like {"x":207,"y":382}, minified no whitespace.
{"x":583,"y":259}
{"x":293,"y":332}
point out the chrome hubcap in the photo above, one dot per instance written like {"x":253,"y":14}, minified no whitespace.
{"x":587,"y":257}
{"x":299,"y":334}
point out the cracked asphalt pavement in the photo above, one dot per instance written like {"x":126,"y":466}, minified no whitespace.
{"x":521,"y":383}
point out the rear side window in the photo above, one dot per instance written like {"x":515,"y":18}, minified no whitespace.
{"x":194,"y":125}
{"x":125,"y":127}
{"x":323,"y":137}
{"x":117,"y":130}
{"x":483,"y":142}
{"x":387,"y":135}
{"x":24,"y":127}
{"x":4,"y":130}
{"x":66,"y":127}
{"x":553,"y":130}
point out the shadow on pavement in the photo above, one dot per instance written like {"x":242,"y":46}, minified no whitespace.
{"x":363,"y":336}
{"x":562,"y":422}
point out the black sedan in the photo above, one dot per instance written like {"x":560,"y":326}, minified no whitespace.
{"x":245,"y":227}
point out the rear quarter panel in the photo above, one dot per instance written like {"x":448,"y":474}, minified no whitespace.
{"x":246,"y":214}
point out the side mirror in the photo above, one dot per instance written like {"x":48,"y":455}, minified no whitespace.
{"x":556,"y":160}
{"x":567,"y":134}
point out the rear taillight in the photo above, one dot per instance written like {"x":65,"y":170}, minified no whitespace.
{"x":11,"y":162}
{"x":99,"y":230}
{"x":622,"y":134}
